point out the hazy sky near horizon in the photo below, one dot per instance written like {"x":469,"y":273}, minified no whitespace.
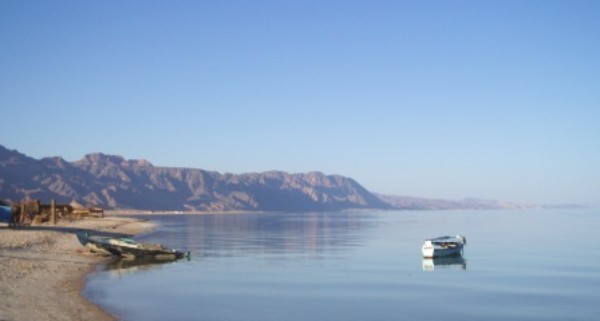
{"x":446,"y":99}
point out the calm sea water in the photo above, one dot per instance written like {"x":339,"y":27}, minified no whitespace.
{"x":517,"y":265}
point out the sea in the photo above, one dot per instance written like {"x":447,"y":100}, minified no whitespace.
{"x":362,"y":265}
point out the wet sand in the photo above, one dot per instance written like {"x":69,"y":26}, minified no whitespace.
{"x":42,"y":269}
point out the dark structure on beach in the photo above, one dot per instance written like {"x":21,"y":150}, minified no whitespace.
{"x":35,"y":212}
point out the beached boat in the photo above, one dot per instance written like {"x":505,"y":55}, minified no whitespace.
{"x":125,"y":247}
{"x":444,"y":246}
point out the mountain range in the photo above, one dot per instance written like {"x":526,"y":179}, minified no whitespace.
{"x":113,"y":182}
{"x":417,"y":203}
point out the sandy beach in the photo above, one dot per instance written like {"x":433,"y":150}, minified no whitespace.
{"x":42,"y":269}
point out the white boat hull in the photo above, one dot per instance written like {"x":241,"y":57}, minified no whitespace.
{"x":443,"y":247}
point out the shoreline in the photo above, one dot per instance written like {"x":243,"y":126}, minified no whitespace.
{"x":43,"y":268}
{"x":125,"y":213}
{"x":133,"y":212}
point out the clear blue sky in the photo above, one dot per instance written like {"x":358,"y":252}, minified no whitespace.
{"x":447,"y":99}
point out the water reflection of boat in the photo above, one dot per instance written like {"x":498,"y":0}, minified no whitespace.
{"x":135,"y":264}
{"x":122,"y":266}
{"x":453,"y":262}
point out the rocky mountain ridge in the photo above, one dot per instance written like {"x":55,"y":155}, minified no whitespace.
{"x":113,"y":182}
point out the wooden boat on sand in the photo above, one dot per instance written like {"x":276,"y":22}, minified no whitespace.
{"x":128,"y":248}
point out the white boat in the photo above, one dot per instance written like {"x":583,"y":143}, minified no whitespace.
{"x":444,"y":246}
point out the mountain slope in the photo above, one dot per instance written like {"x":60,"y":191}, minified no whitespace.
{"x":416,"y":203}
{"x":114,"y":182}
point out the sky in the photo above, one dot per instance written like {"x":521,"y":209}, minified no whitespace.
{"x":439,"y":99}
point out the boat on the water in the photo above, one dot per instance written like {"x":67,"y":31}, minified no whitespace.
{"x":128,"y":248}
{"x":444,"y":246}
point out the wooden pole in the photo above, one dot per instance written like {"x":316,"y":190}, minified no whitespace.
{"x":53,"y":213}
{"x":22,"y":214}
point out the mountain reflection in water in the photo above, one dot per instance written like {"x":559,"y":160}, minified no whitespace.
{"x":313,"y":234}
